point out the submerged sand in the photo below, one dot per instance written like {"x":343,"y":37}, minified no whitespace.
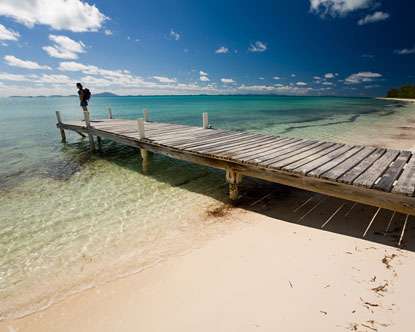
{"x":275,"y":269}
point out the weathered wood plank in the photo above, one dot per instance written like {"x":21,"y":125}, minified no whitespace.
{"x":368,"y":178}
{"x":303,"y":161}
{"x":248,"y":147}
{"x":391,"y":174}
{"x":348,"y":164}
{"x":301,"y":155}
{"x":334,"y":162}
{"x":406,"y":182}
{"x":244,"y":141}
{"x":356,"y":171}
{"x":245,"y":155}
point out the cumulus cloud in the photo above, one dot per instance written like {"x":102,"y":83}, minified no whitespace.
{"x":329,"y":75}
{"x":227,"y":80}
{"x":174,"y":35}
{"x":11,"y":60}
{"x":108,"y":32}
{"x":372,"y":18}
{"x":64,"y":48}
{"x":258,"y":46}
{"x":8,"y":34}
{"x":275,"y":89}
{"x":301,"y":83}
{"x":276,"y":78}
{"x":73,"y":15}
{"x":163,"y":79}
{"x":362,"y":77}
{"x":338,"y":7}
{"x":405,"y":51}
{"x":222,"y":50}
{"x":203,"y":76}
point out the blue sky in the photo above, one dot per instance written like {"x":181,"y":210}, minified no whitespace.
{"x":301,"y":47}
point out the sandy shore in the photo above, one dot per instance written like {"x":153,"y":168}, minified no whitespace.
{"x":277,"y":269}
{"x":408,"y":100}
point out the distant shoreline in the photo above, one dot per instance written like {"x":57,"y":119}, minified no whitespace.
{"x":408,"y":100}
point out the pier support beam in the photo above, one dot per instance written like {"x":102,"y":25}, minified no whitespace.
{"x":109,"y":113}
{"x":99,"y":141}
{"x":146,"y":115}
{"x":234,"y":179}
{"x":205,"y":120}
{"x":88,"y":126}
{"x":58,"y":117}
{"x":145,"y":160}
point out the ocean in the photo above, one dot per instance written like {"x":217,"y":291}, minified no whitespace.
{"x":70,"y":219}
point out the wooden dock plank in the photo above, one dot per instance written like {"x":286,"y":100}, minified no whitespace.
{"x":300,"y":156}
{"x":395,"y":169}
{"x":348,"y":164}
{"x":244,"y":155}
{"x":406,"y":182}
{"x":335,"y":161}
{"x":356,"y":171}
{"x":303,"y":161}
{"x":368,"y":178}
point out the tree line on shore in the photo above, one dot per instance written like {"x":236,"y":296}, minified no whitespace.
{"x":405,"y":91}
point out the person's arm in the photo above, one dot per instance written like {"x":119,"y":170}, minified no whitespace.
{"x":80,"y":93}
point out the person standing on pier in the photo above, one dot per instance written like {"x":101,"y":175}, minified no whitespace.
{"x":84,"y":96}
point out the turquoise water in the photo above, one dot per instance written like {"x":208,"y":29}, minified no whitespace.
{"x":69,"y":219}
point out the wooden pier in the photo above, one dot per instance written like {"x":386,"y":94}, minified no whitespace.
{"x":384,"y":178}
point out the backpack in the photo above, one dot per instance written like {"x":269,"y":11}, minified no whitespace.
{"x":87,"y":94}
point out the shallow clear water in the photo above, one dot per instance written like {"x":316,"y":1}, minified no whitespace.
{"x":69,"y":219}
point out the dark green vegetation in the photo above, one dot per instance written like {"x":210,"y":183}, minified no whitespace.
{"x":405,"y":91}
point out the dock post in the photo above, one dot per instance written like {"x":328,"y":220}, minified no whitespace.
{"x":58,"y":117}
{"x":143,"y":152}
{"x":146,"y":115}
{"x":88,"y":126}
{"x":109,"y":113}
{"x":99,"y":141}
{"x":234,"y":179}
{"x":205,"y":120}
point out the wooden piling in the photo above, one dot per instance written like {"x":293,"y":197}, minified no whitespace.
{"x":99,"y":141}
{"x":145,"y":160}
{"x":205,"y":120}
{"x":146,"y":115}
{"x":234,"y":179}
{"x":109,"y":113}
{"x":88,"y":126}
{"x":58,"y":117}
{"x":141,"y":132}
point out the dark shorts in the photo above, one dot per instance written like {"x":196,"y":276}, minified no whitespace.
{"x":84,"y":103}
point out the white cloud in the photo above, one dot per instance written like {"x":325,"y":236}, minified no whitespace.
{"x":14,"y":77}
{"x":174,"y":35}
{"x":73,"y":15}
{"x":372,"y":18}
{"x":317,"y":78}
{"x":405,"y":51}
{"x":258,"y":46}
{"x":204,"y":78}
{"x":227,"y":80}
{"x":301,"y":83}
{"x":329,"y":75}
{"x":361,"y":77}
{"x":108,"y":32}
{"x":8,"y":34}
{"x":55,"y":79}
{"x":275,"y":89}
{"x":163,"y":79}
{"x":327,"y":83}
{"x":338,"y":7}
{"x":203,"y":73}
{"x":276,"y":78}
{"x":222,"y":50}
{"x":64,"y":48}
{"x":11,"y":60}
{"x":293,"y":75}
